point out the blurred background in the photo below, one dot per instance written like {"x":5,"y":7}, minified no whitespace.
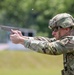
{"x":32,"y":17}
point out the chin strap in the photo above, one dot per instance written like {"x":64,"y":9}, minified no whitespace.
{"x":72,"y":31}
{"x":59,"y":32}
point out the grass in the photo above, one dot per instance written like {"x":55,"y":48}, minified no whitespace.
{"x":29,"y":63}
{"x":29,"y":72}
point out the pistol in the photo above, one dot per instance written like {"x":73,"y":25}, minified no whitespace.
{"x":8,"y":28}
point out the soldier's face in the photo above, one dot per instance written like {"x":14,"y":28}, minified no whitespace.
{"x":58,"y":33}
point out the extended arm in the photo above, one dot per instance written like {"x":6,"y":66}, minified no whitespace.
{"x":44,"y":46}
{"x":54,"y":48}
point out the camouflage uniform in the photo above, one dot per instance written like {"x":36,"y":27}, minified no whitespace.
{"x":65,"y":45}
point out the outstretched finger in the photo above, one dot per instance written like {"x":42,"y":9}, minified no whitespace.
{"x":14,"y":31}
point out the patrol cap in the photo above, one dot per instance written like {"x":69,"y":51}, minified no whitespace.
{"x":63,"y":20}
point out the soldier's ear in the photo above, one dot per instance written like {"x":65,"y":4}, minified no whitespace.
{"x":68,"y":29}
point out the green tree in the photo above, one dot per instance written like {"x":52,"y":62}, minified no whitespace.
{"x":33,"y":13}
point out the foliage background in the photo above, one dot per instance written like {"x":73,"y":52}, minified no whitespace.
{"x":19,"y":13}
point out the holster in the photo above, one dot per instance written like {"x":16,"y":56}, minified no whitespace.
{"x":63,"y":72}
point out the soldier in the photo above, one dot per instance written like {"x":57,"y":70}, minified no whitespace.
{"x":62,"y":29}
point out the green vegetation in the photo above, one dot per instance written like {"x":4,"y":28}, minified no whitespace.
{"x":29,"y":63}
{"x":20,"y":13}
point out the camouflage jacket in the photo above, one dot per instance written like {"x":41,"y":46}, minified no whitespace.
{"x":52,"y":46}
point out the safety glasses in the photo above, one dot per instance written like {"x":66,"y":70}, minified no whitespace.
{"x":55,"y":29}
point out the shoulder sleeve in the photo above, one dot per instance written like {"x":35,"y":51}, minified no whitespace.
{"x":54,"y":48}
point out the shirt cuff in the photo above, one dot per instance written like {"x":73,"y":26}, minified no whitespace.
{"x":27,"y":43}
